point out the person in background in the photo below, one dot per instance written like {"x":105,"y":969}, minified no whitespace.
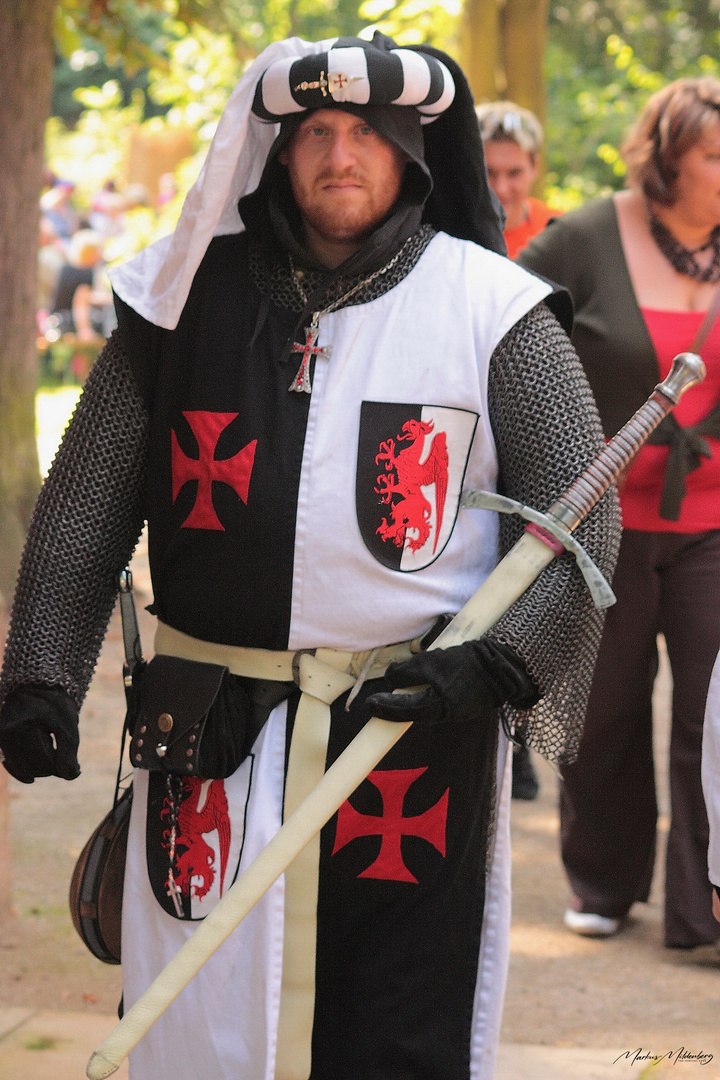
{"x":167,"y":190}
{"x":56,"y":205}
{"x":643,"y":266}
{"x":84,"y":259}
{"x":513,"y":137}
{"x":50,"y":261}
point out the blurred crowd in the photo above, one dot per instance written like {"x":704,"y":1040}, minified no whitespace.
{"x":77,"y":244}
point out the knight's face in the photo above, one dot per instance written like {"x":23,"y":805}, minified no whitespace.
{"x":345,"y":178}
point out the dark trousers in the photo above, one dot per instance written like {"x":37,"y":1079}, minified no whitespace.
{"x":665,"y":583}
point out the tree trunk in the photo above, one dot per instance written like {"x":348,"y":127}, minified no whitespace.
{"x":524,"y":34}
{"x":26,"y":67}
{"x":480,"y":49}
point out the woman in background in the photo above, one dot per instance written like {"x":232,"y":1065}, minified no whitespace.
{"x":643,"y":267}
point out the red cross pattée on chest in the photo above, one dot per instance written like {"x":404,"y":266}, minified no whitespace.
{"x":431,"y":825}
{"x":235,"y":471}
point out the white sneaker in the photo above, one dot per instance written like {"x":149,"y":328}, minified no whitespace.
{"x":589,"y":925}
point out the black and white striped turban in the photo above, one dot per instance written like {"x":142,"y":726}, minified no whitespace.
{"x":357,"y":72}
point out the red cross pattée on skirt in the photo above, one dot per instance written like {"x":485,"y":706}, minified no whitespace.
{"x":207,"y":427}
{"x":431,"y":825}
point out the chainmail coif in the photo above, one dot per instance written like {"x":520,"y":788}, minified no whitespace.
{"x":85,"y":526}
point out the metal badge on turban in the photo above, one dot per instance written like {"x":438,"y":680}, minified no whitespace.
{"x":358,"y":72}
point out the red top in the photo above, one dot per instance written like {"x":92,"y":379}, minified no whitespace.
{"x":672,"y":332}
{"x":539,"y":213}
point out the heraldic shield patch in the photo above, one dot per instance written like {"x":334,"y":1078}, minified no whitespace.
{"x":411,"y":467}
{"x":194,"y":839}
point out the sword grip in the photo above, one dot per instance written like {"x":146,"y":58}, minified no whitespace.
{"x":592,"y":483}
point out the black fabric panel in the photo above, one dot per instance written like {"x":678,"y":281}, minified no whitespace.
{"x":461,"y":202}
{"x":309,"y":69}
{"x":397,"y":959}
{"x":231,"y":584}
{"x":385,"y":75}
{"x":142,"y":342}
{"x":437,"y":85}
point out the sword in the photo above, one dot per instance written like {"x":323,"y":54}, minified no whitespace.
{"x":543,"y":539}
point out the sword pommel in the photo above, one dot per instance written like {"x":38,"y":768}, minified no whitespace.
{"x":687,"y":370}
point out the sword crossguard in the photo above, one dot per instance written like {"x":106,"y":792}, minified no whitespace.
{"x":602,"y":594}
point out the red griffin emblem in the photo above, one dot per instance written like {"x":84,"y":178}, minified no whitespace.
{"x":207,"y":427}
{"x":392,"y":826}
{"x":197,"y":859}
{"x":400,"y":485}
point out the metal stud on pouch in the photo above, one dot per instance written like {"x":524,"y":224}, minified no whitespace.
{"x":165,"y":722}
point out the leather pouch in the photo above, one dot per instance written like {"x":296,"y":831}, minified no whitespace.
{"x":171,"y":701}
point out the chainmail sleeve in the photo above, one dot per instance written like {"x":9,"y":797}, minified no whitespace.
{"x":84,"y":528}
{"x":547,"y":429}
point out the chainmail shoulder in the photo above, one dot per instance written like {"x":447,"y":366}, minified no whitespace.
{"x":281,"y":284}
{"x":547,"y":428}
{"x":85,"y":526}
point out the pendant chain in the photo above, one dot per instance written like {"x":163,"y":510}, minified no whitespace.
{"x":346,"y":296}
{"x":301,"y":382}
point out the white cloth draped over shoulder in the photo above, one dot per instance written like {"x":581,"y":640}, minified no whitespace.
{"x":157,"y":281}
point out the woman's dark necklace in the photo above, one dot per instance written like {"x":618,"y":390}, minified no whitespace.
{"x":683,"y":259}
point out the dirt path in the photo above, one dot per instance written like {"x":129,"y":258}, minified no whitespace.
{"x":564,"y":991}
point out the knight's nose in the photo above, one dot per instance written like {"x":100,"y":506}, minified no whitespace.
{"x":341,"y":153}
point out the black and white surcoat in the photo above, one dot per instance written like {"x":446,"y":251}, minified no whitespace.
{"x":290,"y":521}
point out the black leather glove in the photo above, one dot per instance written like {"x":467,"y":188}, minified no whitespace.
{"x":39,"y":733}
{"x":461,"y":683}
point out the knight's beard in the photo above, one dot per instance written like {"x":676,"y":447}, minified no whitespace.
{"x":334,"y":219}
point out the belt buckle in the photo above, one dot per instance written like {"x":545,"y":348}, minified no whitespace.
{"x":295,"y":667}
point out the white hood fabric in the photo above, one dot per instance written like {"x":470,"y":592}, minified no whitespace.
{"x":156,"y":283}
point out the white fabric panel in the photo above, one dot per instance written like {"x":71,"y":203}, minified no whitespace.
{"x":495,"y":948}
{"x":353,"y":63}
{"x":711,"y":771}
{"x":427,"y":341}
{"x":276,"y":89}
{"x":416,"y":74}
{"x":242,"y":979}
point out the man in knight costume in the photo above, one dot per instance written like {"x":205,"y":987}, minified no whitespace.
{"x":305,"y":377}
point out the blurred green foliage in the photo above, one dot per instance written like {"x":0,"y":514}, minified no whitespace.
{"x":604,"y":59}
{"x":180,"y":58}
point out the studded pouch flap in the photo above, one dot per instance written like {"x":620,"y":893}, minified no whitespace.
{"x":172,"y":698}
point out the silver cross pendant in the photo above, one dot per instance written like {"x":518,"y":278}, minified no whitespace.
{"x":301,"y":382}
